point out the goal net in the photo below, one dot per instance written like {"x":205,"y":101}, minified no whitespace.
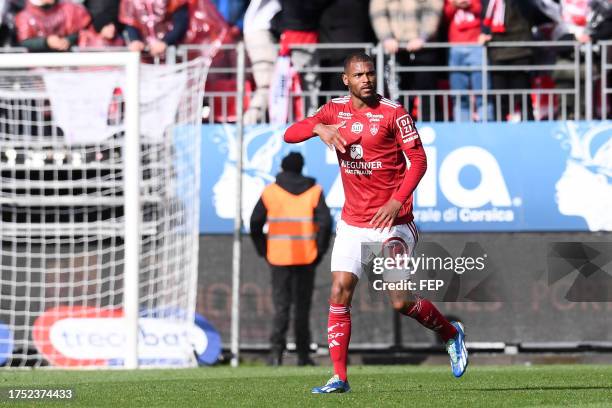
{"x":99,"y":195}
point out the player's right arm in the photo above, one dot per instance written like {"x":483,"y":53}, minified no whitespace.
{"x":320,"y":125}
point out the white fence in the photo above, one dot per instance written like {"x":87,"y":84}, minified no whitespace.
{"x":567,"y":80}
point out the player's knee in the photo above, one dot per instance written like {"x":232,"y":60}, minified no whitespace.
{"x":398,"y":305}
{"x":340,"y":293}
{"x":402,"y":306}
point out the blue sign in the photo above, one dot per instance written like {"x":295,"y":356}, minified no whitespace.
{"x":212,"y":349}
{"x":546,"y":176}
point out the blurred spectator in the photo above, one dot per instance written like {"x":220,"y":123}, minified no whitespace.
{"x":49,"y":25}
{"x":509,"y":21}
{"x":299,"y":24}
{"x":413,"y":22}
{"x":569,"y":16}
{"x":105,"y":30}
{"x":260,"y":44}
{"x":342,"y":21}
{"x":4,"y":17}
{"x":463,"y":19}
{"x":206,"y":25}
{"x":600,"y":20}
{"x":232,"y":10}
{"x":154,"y":24}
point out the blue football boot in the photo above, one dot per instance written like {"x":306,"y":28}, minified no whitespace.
{"x":335,"y":384}
{"x":457,"y":351}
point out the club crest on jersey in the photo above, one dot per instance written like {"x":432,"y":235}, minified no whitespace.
{"x":373,"y":128}
{"x":357,"y":127}
{"x":356,"y":152}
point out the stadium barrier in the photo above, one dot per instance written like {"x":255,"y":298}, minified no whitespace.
{"x":561,"y":89}
{"x":563,"y":75}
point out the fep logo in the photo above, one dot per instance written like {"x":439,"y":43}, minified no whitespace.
{"x":491,"y":189}
{"x":87,"y":336}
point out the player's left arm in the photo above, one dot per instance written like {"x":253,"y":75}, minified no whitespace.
{"x":407,"y":137}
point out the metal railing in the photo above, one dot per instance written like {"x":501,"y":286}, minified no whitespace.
{"x":572,"y":77}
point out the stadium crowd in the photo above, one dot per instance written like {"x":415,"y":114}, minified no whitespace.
{"x":406,"y":29}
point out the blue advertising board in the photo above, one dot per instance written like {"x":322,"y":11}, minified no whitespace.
{"x":546,"y":176}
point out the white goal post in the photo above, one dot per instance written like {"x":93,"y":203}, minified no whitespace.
{"x":99,"y":187}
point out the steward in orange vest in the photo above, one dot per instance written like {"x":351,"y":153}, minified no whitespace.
{"x":299,"y":229}
{"x":299,"y":221}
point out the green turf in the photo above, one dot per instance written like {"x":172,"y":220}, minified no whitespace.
{"x":373,"y":386}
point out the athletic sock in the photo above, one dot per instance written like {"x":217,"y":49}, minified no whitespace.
{"x":339,"y":336}
{"x":424,"y":312}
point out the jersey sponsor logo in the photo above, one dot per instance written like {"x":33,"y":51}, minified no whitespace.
{"x":356,"y":152}
{"x":360,"y":167}
{"x":357,"y":127}
{"x":373,"y":129}
{"x":374,"y":117}
{"x":345,"y":115}
{"x":407,"y":128}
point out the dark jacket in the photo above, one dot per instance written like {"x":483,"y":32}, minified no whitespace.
{"x":299,"y":15}
{"x":519,"y":15}
{"x":103,"y":12}
{"x":346,"y":21}
{"x":295,"y":184}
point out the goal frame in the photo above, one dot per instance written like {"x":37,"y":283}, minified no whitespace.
{"x":130,"y":61}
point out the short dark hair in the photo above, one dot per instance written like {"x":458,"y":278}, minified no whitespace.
{"x":293,"y":162}
{"x":357,"y":56}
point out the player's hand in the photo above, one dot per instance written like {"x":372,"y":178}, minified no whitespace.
{"x":415,"y":45}
{"x":137,"y":46}
{"x":330,"y":135}
{"x":390,"y":45}
{"x":385,"y":215}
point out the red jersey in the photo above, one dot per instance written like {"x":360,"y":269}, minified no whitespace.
{"x":373,"y":168}
{"x":63,"y":19}
{"x":152,"y":18}
{"x":463,"y":24}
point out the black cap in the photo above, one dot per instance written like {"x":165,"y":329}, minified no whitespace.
{"x":293,"y":162}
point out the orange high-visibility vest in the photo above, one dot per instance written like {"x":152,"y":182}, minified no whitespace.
{"x":291,"y":228}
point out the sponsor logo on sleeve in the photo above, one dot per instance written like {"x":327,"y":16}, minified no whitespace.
{"x":407,"y":128}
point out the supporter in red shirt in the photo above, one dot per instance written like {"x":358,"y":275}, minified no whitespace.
{"x":155,"y":24}
{"x":463,"y":19}
{"x":49,"y":25}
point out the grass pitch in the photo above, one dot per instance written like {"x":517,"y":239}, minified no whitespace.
{"x":373,"y":386}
